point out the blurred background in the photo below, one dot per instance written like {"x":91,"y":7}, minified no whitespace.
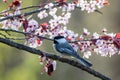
{"x":20,"y":65}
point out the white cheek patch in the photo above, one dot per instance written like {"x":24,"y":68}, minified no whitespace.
{"x":62,"y":40}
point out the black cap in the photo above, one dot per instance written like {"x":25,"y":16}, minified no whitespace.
{"x":58,"y":37}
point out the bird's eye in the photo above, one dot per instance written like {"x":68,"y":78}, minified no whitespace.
{"x":55,"y":42}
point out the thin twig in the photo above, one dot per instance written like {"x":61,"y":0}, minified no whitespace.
{"x":3,"y":35}
{"x":54,"y":57}
{"x":11,"y":37}
{"x":28,"y":13}
{"x":28,"y":33}
{"x":25,"y":33}
{"x":36,"y":11}
{"x":24,"y":8}
{"x":25,"y":14}
{"x":28,"y":7}
{"x":42,"y":5}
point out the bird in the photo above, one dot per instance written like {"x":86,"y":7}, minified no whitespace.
{"x":62,"y":46}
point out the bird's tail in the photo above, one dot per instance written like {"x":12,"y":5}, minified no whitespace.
{"x":84,"y":62}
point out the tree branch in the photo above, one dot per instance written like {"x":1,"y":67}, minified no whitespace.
{"x":25,"y":14}
{"x":28,"y":33}
{"x":35,"y":11}
{"x":25,"y":33}
{"x":54,"y":57}
{"x":28,"y":13}
{"x":29,"y":7}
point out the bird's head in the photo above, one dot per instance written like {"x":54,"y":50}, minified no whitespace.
{"x":59,"y":39}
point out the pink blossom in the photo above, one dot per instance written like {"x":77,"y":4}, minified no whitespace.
{"x":5,"y":1}
{"x":99,"y":43}
{"x":95,"y":35}
{"x":32,"y":25}
{"x":15,"y":24}
{"x":90,"y":6}
{"x":49,"y":67}
{"x":17,"y":12}
{"x":52,"y":11}
{"x":85,"y":32}
{"x":42,"y":59}
{"x":87,"y":54}
{"x":49,"y":5}
{"x":71,"y":7}
{"x":15,"y":4}
{"x":31,"y":41}
{"x":104,"y":30}
{"x":54,"y":63}
{"x":42,"y":14}
{"x":75,"y":47}
{"x":80,"y":38}
{"x":102,"y":3}
{"x":117,"y":35}
{"x":6,"y":24}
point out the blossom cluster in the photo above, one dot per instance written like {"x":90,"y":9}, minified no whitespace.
{"x":91,"y":5}
{"x":57,"y":26}
{"x":50,"y":65}
{"x":105,"y":44}
{"x":15,"y":24}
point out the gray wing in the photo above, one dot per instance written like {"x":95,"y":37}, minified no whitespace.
{"x":67,"y":50}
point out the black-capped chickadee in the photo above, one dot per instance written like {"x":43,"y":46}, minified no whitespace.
{"x":62,"y":46}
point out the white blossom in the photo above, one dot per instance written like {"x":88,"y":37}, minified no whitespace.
{"x":50,"y":5}
{"x":95,"y":35}
{"x":54,"y":63}
{"x":87,"y":54}
{"x":42,"y":14}
{"x":53,"y":11}
{"x":15,"y":24}
{"x":85,"y":31}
